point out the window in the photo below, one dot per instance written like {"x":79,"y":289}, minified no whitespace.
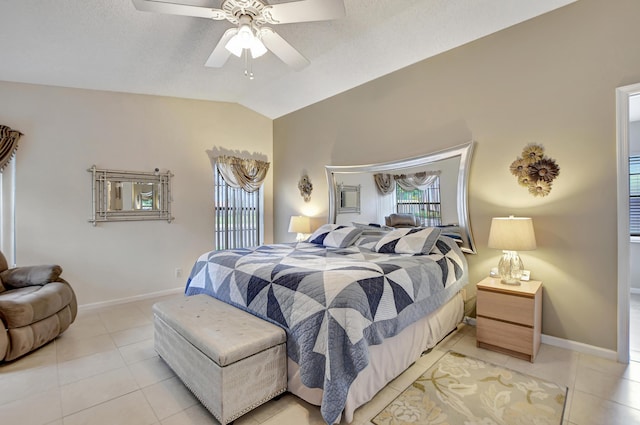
{"x":634,"y":195}
{"x":238,"y":216}
{"x":424,"y":204}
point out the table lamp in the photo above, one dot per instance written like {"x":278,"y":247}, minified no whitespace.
{"x":301,"y":225}
{"x":511,"y":234}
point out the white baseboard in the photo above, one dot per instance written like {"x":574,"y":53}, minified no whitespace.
{"x":545,"y":339}
{"x":580,"y":347}
{"x":635,"y":290}
{"x":567,"y":344}
{"x":111,"y":303}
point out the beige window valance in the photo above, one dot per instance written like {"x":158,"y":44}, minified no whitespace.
{"x":247,"y":174}
{"x":8,"y":144}
{"x":386,"y":183}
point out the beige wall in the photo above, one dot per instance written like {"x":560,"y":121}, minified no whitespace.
{"x":68,"y":130}
{"x":550,"y":80}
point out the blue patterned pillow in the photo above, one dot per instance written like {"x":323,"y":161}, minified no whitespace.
{"x":335,"y":235}
{"x":414,"y":240}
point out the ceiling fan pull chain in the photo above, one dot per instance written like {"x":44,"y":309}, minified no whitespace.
{"x":248,"y":72}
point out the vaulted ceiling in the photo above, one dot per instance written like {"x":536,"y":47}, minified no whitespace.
{"x":109,"y":45}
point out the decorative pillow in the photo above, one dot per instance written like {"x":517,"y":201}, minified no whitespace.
{"x":367,"y":241}
{"x":455,"y":236}
{"x":372,"y":228}
{"x":416,"y":240}
{"x":335,"y":235}
{"x":452,"y":231}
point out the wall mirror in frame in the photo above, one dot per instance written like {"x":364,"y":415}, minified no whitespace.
{"x":348,"y":199}
{"x":130,"y":195}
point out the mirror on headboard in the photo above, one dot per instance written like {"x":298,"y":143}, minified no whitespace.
{"x":438,"y":201}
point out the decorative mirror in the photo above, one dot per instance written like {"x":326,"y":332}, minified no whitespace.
{"x":130,"y":195}
{"x":447,"y":206}
{"x":348,"y":199}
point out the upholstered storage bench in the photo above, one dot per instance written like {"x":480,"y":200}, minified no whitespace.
{"x":231,"y":360}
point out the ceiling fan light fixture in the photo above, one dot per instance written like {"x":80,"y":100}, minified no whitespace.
{"x":245,"y":38}
{"x":234,"y":45}
{"x":245,"y":35}
{"x":257,"y":48}
{"x":239,"y":42}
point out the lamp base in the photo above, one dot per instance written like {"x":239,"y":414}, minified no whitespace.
{"x":510,"y":268}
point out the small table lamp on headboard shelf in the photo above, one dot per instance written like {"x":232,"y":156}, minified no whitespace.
{"x":511,"y":234}
{"x":301,"y":225}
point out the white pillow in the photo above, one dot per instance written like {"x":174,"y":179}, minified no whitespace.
{"x":412,"y":240}
{"x":335,"y":235}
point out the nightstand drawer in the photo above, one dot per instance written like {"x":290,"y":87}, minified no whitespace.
{"x":506,"y":335}
{"x":515,"y":309}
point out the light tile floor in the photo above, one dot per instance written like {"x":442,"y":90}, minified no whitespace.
{"x":104,"y":370}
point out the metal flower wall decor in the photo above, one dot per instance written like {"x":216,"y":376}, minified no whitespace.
{"x":305,"y":187}
{"x":534,"y":170}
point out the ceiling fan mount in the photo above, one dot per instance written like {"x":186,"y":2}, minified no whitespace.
{"x":253,"y":16}
{"x":235,"y":9}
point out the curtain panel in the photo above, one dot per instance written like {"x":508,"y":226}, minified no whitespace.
{"x":386,"y":183}
{"x":421,"y":181}
{"x":8,"y":145}
{"x":241,"y":173}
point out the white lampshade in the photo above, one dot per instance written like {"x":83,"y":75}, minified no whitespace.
{"x":245,"y":38}
{"x":512,"y":234}
{"x":300,"y":224}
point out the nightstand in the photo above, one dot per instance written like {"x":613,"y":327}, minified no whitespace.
{"x":509,"y":317}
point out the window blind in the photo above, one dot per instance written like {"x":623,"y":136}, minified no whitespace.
{"x":238,"y":216}
{"x":634,"y":195}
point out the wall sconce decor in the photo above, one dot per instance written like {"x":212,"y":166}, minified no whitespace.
{"x":305,"y":187}
{"x":534,"y":170}
{"x":511,"y":234}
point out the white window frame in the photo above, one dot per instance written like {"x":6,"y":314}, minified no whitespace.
{"x":229,"y":204}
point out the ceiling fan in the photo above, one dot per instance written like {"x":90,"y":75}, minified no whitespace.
{"x":252,"y":36}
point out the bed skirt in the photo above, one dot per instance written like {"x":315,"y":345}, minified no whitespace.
{"x":389,"y":359}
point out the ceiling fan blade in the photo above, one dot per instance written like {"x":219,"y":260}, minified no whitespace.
{"x":285,"y":51}
{"x":178,"y":9}
{"x":304,"y":11}
{"x":220,"y":54}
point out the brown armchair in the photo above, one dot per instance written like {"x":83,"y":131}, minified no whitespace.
{"x":36,"y":305}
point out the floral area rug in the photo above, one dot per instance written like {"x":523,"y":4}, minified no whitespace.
{"x":461,"y":390}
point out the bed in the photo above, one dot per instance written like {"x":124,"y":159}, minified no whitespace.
{"x":357,"y":309}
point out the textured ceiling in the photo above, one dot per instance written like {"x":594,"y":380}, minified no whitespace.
{"x":109,"y":45}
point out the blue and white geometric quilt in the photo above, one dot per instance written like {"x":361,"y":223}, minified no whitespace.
{"x":332,"y":302}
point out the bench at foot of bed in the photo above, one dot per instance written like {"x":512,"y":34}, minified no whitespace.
{"x":231,"y":360}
